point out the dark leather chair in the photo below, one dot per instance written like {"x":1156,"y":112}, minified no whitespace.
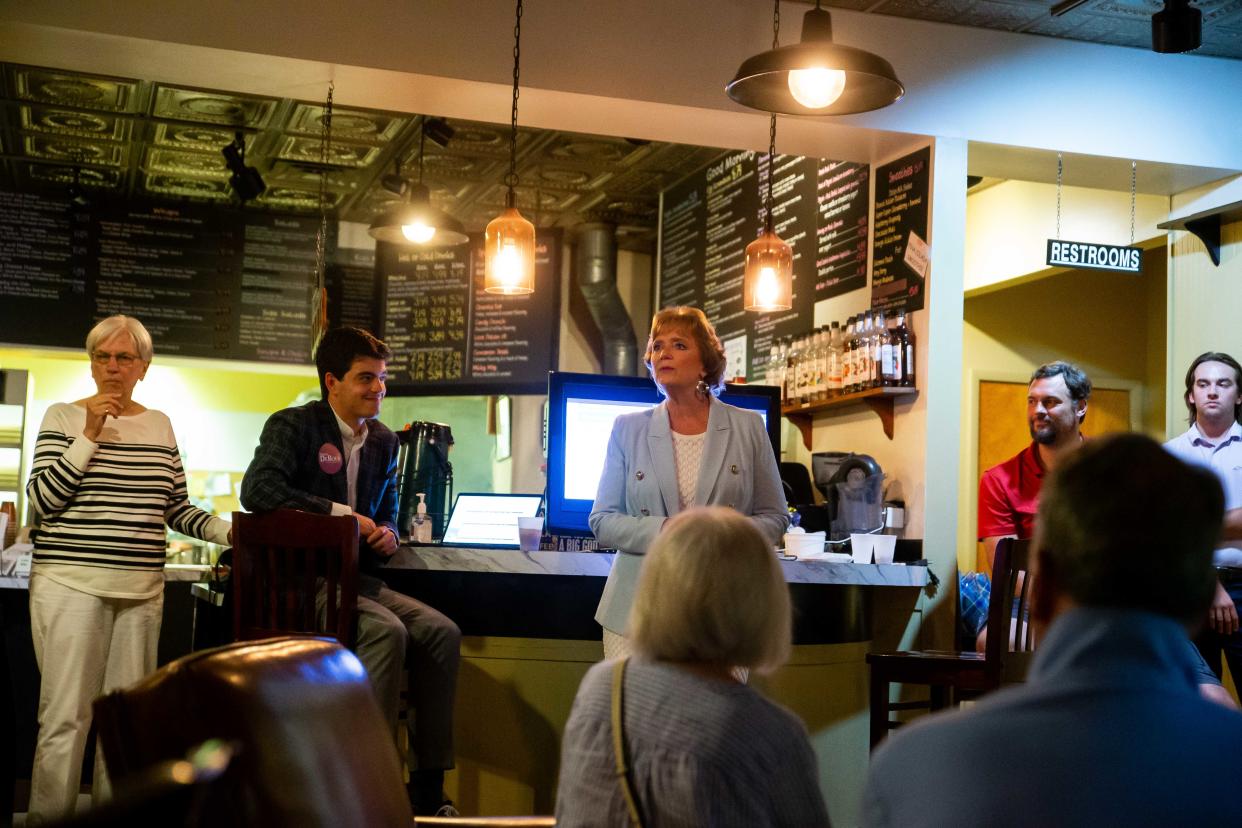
{"x":313,"y":748}
{"x":281,"y":560}
{"x":953,"y":676}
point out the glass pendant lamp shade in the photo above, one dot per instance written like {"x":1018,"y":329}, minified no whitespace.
{"x":417,"y":222}
{"x":815,"y":76}
{"x":767,"y":283}
{"x":509,"y":251}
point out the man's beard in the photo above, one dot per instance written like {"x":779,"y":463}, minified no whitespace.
{"x":1045,"y":435}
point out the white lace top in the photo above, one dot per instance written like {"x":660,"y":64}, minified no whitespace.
{"x":688,"y":457}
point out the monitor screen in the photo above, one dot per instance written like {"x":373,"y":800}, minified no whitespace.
{"x":489,"y":519}
{"x":581,"y":411}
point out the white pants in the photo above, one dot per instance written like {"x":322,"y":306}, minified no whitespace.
{"x":85,"y":646}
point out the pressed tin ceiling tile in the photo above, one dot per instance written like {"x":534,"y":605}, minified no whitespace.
{"x":211,"y":107}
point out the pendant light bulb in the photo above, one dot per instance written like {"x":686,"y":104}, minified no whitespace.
{"x":767,"y":282}
{"x":509,"y":254}
{"x":816,"y":88}
{"x":418,"y":232}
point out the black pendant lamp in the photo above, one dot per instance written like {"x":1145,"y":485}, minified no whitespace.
{"x":815,"y":76}
{"x":415,"y":221}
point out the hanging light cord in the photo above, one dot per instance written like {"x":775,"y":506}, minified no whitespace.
{"x":511,"y":179}
{"x":422,"y":141}
{"x":1059,"y":169}
{"x":1133,"y":195}
{"x":776,"y":34}
{"x":325,"y":144}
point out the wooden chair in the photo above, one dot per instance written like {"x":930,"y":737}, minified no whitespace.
{"x":281,"y":560}
{"x":952,"y":676}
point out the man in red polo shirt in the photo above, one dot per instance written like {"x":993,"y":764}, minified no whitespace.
{"x":1056,"y":405}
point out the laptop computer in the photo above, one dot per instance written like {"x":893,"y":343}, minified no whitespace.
{"x":488,"y":521}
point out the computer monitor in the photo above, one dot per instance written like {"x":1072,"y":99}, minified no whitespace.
{"x":581,"y":410}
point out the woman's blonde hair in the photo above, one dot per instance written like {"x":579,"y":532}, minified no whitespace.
{"x":694,"y":322}
{"x":109,"y":327}
{"x":712,"y":591}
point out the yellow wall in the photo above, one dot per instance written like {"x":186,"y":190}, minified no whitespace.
{"x":1009,"y":224}
{"x":1109,"y":324}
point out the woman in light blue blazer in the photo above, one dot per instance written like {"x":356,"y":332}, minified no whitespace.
{"x":691,"y":450}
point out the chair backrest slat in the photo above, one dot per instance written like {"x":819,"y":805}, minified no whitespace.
{"x":1009,"y":625}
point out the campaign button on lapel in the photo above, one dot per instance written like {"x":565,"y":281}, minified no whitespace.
{"x":329,"y":459}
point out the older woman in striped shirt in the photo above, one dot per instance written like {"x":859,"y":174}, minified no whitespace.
{"x":106,"y":479}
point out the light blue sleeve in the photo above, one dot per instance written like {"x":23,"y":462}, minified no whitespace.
{"x":611,"y":521}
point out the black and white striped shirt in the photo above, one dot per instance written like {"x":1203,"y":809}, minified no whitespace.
{"x":103,"y":505}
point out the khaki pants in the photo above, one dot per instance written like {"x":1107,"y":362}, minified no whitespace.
{"x":85,"y":646}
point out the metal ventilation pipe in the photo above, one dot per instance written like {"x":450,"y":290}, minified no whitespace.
{"x":596,"y":264}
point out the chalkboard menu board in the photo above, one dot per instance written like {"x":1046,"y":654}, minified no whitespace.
{"x":449,"y":336}
{"x":900,"y":262}
{"x":206,"y":282}
{"x":819,"y":207}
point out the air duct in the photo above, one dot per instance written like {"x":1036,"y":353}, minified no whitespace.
{"x":596,"y":265}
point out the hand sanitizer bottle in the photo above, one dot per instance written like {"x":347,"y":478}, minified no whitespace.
{"x":420,"y":524}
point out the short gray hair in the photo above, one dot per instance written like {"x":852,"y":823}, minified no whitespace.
{"x":712,"y":591}
{"x":109,"y":327}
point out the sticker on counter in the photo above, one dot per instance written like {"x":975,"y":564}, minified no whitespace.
{"x":329,"y":459}
{"x":916,"y":254}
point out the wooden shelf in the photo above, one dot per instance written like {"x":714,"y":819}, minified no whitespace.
{"x":879,"y":400}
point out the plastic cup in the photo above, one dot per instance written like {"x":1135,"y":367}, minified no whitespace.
{"x":860,"y":547}
{"x":885,"y":546}
{"x":530,"y":530}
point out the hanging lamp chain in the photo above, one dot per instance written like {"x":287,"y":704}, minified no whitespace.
{"x":776,"y":24}
{"x":1060,"y":168}
{"x":325,"y":145}
{"x":767,"y":202}
{"x":511,"y":180}
{"x":422,"y":142}
{"x":1133,"y":196}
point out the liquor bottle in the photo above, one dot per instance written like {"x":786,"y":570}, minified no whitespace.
{"x":792,"y":357}
{"x":879,"y":333}
{"x":819,"y":377}
{"x":905,"y":340}
{"x":847,"y":357}
{"x":834,"y":360}
{"x":769,"y":367}
{"x":889,"y":366}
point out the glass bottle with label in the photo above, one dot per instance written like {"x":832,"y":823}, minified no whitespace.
{"x":904,"y":338}
{"x":889,"y":366}
{"x":847,"y":357}
{"x":834,"y":360}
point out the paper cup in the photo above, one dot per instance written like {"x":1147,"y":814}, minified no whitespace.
{"x":860,"y":547}
{"x":530,"y":530}
{"x":885,"y":545}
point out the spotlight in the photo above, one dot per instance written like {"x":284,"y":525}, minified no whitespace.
{"x":438,"y":130}
{"x":246,"y":181}
{"x":1178,"y":28}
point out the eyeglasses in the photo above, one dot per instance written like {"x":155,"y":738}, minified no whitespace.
{"x":102,"y":358}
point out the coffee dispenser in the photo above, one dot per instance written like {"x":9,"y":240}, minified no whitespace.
{"x":424,"y":467}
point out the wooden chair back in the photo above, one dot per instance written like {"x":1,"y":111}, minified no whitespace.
{"x":281,"y":561}
{"x":1011,"y":638}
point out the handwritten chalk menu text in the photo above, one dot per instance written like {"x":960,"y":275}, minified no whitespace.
{"x":205,"y":281}
{"x":819,"y":207}
{"x":900,"y":258}
{"x":449,"y":336}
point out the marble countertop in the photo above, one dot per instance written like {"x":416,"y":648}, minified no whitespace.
{"x":598,"y":564}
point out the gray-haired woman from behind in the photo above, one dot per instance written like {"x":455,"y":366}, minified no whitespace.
{"x":697,"y":747}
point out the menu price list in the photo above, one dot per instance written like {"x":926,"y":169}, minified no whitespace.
{"x":44,"y":254}
{"x":174,"y":269}
{"x":900,"y":249}
{"x":205,"y":281}
{"x":449,"y":335}
{"x":819,"y":207}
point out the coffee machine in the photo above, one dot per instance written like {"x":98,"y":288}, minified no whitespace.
{"x":853,"y":486}
{"x":425,"y":467}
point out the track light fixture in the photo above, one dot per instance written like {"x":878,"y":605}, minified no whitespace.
{"x":415,"y":220}
{"x":815,"y":76}
{"x":245,"y":181}
{"x":77,"y":196}
{"x":1177,"y":28}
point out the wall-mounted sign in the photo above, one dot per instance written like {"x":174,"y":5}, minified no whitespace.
{"x":1089,"y":256}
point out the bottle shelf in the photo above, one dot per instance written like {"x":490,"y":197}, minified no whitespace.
{"x":879,"y":400}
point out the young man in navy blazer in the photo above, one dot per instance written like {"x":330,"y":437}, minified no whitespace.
{"x":332,"y":456}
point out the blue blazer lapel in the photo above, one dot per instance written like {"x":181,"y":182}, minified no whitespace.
{"x":715,"y":446}
{"x":660,"y":445}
